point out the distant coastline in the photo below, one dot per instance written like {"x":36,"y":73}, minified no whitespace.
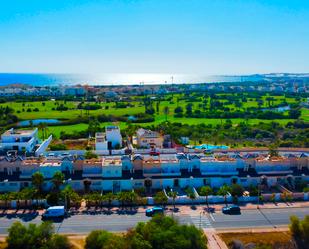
{"x":37,"y":79}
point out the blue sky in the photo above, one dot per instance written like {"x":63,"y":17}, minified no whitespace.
{"x":158,"y":36}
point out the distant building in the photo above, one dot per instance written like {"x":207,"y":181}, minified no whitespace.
{"x":19,"y":140}
{"x":74,"y":91}
{"x":149,"y":139}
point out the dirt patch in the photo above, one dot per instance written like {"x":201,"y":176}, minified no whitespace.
{"x":2,"y":244}
{"x":275,"y":240}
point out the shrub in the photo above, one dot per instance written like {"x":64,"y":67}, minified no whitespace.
{"x":54,"y":147}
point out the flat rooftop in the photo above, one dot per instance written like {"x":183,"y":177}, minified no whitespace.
{"x":18,"y":132}
{"x":112,"y":161}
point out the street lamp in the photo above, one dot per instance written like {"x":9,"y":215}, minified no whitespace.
{"x":258,"y":206}
{"x":200,"y":224}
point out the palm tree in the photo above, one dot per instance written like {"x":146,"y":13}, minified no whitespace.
{"x":58,"y":180}
{"x":161,"y":198}
{"x":28,"y":194}
{"x":121,"y":196}
{"x":132,"y":197}
{"x":37,"y":181}
{"x":6,"y":198}
{"x":224,"y":191}
{"x":166,"y":112}
{"x":173,"y":195}
{"x":109,"y":197}
{"x":43,"y":128}
{"x":16,"y":196}
{"x":192,"y":196}
{"x":206,"y":191}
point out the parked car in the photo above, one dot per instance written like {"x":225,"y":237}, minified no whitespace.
{"x":234,"y":209}
{"x":153,"y":211}
{"x":54,"y":212}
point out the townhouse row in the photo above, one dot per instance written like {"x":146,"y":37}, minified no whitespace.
{"x":117,"y":173}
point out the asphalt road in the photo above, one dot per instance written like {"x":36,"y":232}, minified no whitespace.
{"x":121,"y":221}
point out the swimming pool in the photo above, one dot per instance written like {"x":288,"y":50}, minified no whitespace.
{"x":211,"y":147}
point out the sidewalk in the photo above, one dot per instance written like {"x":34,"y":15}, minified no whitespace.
{"x":248,"y":206}
{"x":182,"y":209}
{"x":214,"y":241}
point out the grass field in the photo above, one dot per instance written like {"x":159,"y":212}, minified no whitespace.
{"x":268,"y":238}
{"x":46,"y":108}
{"x":47,"y":111}
{"x":55,"y":130}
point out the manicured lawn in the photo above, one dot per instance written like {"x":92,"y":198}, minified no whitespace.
{"x":56,"y":130}
{"x":305,"y":114}
{"x":46,"y":111}
{"x":46,"y":108}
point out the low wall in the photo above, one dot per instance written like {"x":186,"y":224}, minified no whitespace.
{"x":13,"y":204}
{"x":43,"y":146}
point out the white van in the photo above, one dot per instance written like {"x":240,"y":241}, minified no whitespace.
{"x":54,"y":212}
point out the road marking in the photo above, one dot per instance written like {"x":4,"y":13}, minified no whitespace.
{"x":211,"y":216}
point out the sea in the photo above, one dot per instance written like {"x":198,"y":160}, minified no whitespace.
{"x":39,"y":79}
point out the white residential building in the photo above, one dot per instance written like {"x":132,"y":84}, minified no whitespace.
{"x":108,"y":140}
{"x":113,"y":136}
{"x":19,"y":140}
{"x":100,"y":141}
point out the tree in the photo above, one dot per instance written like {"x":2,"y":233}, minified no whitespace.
{"x":70,"y":196}
{"x":191,"y":196}
{"x":206,"y":191}
{"x":59,"y":242}
{"x":131,"y":197}
{"x":178,"y":109}
{"x":102,"y":240}
{"x":160,"y":198}
{"x":189,"y":109}
{"x":58,"y":180}
{"x":224,"y":191}
{"x":44,"y":129}
{"x":122,"y":197}
{"x":300,"y":231}
{"x":166,"y":112}
{"x":89,"y":155}
{"x":163,"y":232}
{"x":28,"y":194}
{"x":237,"y":190}
{"x":6,"y":198}
{"x":109,"y":197}
{"x":273,"y":150}
{"x":294,"y":113}
{"x":173,"y":195}
{"x":94,"y":126}
{"x":37,"y":181}
{"x":35,"y":236}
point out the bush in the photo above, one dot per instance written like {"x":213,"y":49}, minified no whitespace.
{"x":300,"y":231}
{"x":90,"y":154}
{"x":237,"y":190}
{"x":54,"y":147}
{"x":35,"y":236}
{"x":103,"y":239}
